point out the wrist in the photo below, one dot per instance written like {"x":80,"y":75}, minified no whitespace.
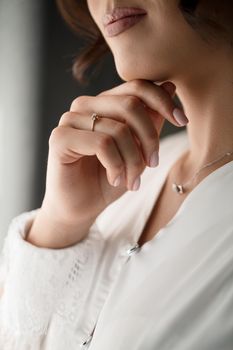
{"x":50,"y":231}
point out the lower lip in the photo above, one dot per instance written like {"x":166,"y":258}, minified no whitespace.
{"x":122,"y":24}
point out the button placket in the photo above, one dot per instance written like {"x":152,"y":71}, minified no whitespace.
{"x":133,"y":249}
{"x":129,"y":251}
{"x":86,"y":341}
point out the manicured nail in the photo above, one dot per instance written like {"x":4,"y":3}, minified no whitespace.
{"x":118,"y":180}
{"x":136,"y":184}
{"x":154,"y":159}
{"x":180,"y":117}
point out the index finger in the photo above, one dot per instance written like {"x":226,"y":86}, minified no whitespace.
{"x":153,"y":96}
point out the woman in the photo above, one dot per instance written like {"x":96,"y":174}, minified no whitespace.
{"x":131,"y":250}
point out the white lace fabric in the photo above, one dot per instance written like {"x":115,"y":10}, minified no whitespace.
{"x":39,"y":282}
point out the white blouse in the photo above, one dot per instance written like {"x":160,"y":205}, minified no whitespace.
{"x":105,"y":293}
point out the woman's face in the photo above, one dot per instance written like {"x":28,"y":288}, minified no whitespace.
{"x":162,"y":46}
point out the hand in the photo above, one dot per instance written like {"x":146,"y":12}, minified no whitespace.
{"x":89,"y":170}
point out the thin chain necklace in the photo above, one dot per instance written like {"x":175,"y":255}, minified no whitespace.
{"x":181,"y":188}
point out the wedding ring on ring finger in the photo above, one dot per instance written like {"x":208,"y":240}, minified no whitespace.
{"x":94,"y":118}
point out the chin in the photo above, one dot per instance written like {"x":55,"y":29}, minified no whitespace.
{"x":131,"y":73}
{"x":135,"y":67}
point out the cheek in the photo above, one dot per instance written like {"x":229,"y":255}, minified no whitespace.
{"x":149,"y":57}
{"x":145,"y":50}
{"x":159,"y":51}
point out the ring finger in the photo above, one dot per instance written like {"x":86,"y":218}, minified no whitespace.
{"x":127,"y":144}
{"x":125,"y":109}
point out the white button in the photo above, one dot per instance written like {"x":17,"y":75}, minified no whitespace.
{"x":86,"y":341}
{"x":133,"y":249}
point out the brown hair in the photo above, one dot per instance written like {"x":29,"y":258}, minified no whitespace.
{"x":212,"y":19}
{"x":76,"y":14}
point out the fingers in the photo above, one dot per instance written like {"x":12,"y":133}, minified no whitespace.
{"x":156,"y":97}
{"x":124,"y":109}
{"x":169,"y":87}
{"x":126,"y":137}
{"x":126,"y":144}
{"x":71,"y":144}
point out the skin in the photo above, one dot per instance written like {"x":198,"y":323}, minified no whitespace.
{"x":83,"y":165}
{"x":201,"y":72}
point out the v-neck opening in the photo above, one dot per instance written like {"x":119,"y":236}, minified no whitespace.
{"x":184,"y":203}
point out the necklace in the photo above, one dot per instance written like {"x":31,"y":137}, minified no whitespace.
{"x":180,"y":188}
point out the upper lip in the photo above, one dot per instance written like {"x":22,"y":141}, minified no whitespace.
{"x":121,"y":12}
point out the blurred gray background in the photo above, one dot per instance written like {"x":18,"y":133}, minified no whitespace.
{"x":36,"y":88}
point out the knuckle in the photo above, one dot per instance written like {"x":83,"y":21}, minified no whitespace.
{"x":119,"y":167}
{"x":56,"y":135}
{"x":104,"y":141}
{"x":65,"y":119}
{"x":137,"y":84}
{"x":102,"y":93}
{"x":121,"y":129}
{"x":78,"y":102}
{"x":131,"y":103}
{"x":137,"y":164}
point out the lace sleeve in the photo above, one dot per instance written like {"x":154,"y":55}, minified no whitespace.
{"x":32,"y":279}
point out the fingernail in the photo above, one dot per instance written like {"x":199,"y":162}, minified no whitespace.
{"x":180,"y":117}
{"x":154,"y":159}
{"x":118,"y":180}
{"x":136,"y":184}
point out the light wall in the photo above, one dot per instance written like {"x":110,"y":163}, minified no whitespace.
{"x":20,"y":47}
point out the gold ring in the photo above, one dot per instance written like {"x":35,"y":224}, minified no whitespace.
{"x":94,"y":117}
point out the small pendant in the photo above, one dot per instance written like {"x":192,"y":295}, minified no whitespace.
{"x":177,"y":188}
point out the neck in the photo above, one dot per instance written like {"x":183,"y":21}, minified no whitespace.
{"x":208,"y":103}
